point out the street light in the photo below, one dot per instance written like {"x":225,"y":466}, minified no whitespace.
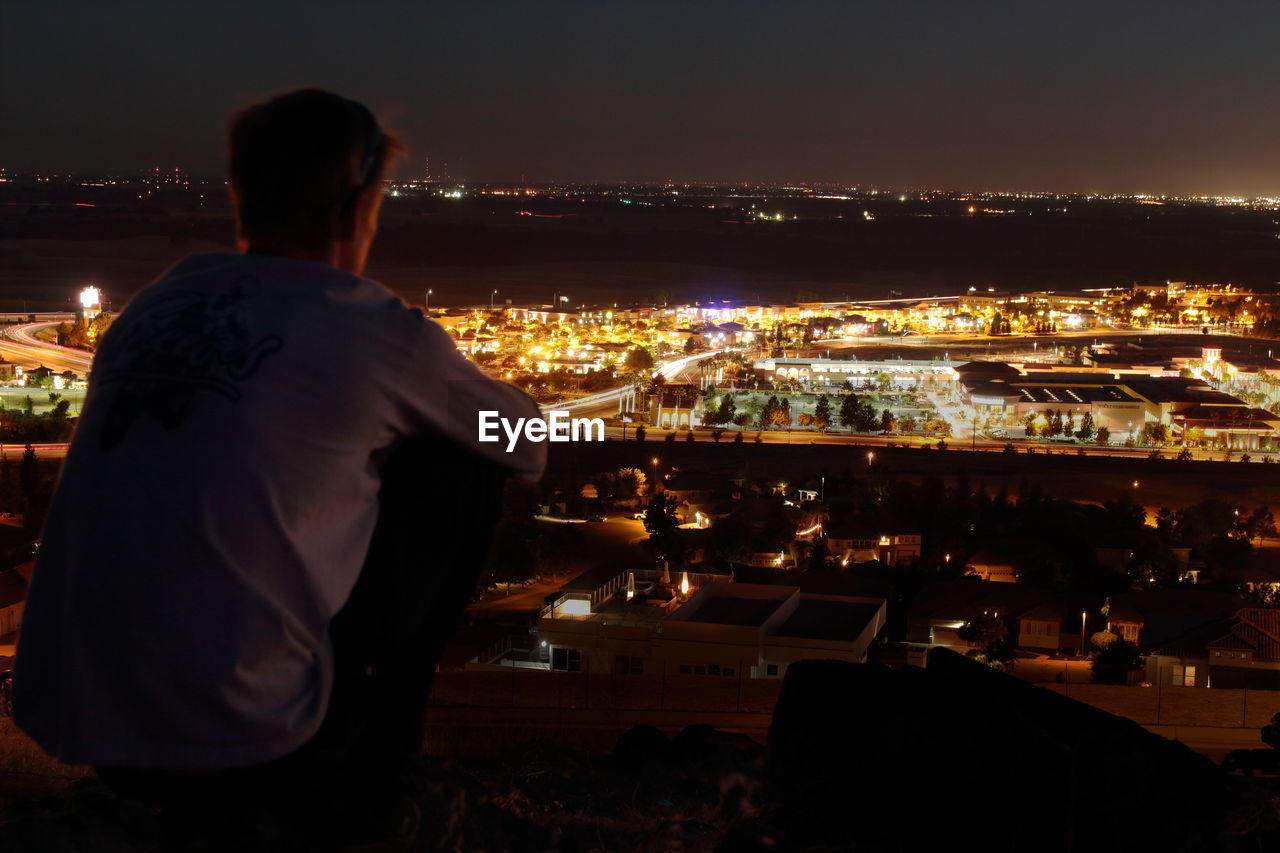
{"x":426,"y":302}
{"x":871,"y":457}
{"x":1083,"y":616}
{"x":492,"y":294}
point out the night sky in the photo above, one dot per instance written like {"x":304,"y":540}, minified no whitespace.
{"x":1167,"y":97}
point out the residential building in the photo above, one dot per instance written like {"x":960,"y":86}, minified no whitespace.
{"x":702,"y":625}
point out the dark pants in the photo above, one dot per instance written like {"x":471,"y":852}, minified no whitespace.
{"x":438,"y":506}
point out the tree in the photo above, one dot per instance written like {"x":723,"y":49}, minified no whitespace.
{"x":822,"y":413}
{"x":767,"y":413}
{"x":640,"y":432}
{"x":660,"y":520}
{"x":981,"y":630}
{"x":1085,"y":432}
{"x":639,"y":360}
{"x":737,"y":437}
{"x":1103,"y":437}
{"x":630,"y":482}
{"x":849,"y":411}
{"x":782,"y":414}
{"x":1112,"y":663}
{"x":726,"y":410}
{"x":1029,"y":424}
{"x":887,"y":421}
{"x":866,"y":419}
{"x":997,"y":324}
{"x":1260,"y":524}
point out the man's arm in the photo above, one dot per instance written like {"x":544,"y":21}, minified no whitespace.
{"x":442,"y":391}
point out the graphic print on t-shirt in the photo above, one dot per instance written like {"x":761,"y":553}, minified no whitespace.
{"x":183,"y":345}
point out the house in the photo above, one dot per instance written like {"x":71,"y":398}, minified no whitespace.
{"x":1042,"y":627}
{"x":1239,"y":651}
{"x":707,"y":512}
{"x":994,"y":565}
{"x":1148,"y":618}
{"x":856,"y":541}
{"x":1034,"y":619}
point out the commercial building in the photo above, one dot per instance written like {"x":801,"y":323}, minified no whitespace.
{"x":828,"y":372}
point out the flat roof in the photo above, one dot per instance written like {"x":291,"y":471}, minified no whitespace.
{"x":827,"y":619}
{"x":727,"y":610}
{"x":1074,"y":395}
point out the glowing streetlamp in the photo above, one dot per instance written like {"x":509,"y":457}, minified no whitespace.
{"x":1083,"y":616}
{"x":871,"y":456}
{"x":684,"y":584}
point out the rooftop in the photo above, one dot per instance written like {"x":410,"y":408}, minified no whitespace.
{"x":829,"y":619}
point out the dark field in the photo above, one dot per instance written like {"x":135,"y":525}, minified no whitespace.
{"x":600,"y":251}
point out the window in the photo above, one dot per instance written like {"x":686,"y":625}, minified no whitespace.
{"x":728,"y":670}
{"x":685,"y":669}
{"x":628,"y":665}
{"x":699,"y":670}
{"x":566,"y":660}
{"x":771,"y":669}
{"x":713,"y":669}
{"x":1184,"y":676}
{"x":1130,"y":633}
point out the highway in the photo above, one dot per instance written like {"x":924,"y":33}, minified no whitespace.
{"x":670,"y":371}
{"x":19,"y":345}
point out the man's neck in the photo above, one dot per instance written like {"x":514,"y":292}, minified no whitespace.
{"x":326,"y":255}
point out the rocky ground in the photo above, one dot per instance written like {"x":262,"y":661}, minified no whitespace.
{"x":651,"y":794}
{"x":860,"y":758}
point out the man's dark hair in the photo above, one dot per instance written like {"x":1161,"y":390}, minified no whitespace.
{"x":298,"y":163}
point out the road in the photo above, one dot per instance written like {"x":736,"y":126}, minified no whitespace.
{"x":669,"y":371}
{"x":44,"y":451}
{"x":20,"y":345}
{"x":798,"y":436}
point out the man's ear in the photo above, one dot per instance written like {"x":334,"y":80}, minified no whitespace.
{"x":346,"y":222}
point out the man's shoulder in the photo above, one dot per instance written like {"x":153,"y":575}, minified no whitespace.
{"x":232,"y":276}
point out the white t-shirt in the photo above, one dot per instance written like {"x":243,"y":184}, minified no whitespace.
{"x":216,"y":506}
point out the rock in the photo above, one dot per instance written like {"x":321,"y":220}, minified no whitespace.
{"x":960,"y":756}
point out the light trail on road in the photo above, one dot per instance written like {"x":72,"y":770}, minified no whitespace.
{"x":20,"y":345}
{"x":667,"y":371}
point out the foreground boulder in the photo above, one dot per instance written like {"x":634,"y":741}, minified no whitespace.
{"x":959,"y":756}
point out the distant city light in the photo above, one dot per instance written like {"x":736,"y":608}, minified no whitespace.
{"x":91,"y":301}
